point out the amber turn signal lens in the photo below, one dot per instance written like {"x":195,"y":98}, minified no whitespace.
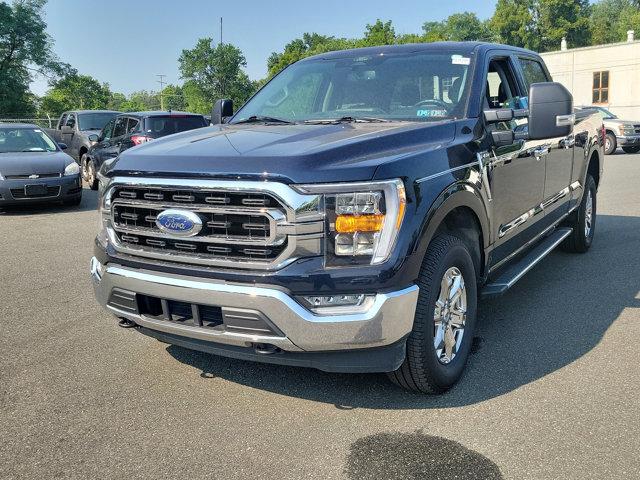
{"x":359,"y":223}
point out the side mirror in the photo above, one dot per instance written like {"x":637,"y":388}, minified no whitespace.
{"x":63,"y":146}
{"x":93,"y":137}
{"x":550,"y":111}
{"x":222,"y":110}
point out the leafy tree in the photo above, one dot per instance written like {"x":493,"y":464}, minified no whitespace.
{"x":541,"y":24}
{"x":116,"y":101}
{"x":216,"y":71}
{"x":466,"y":26}
{"x":141,"y":101}
{"x":610,"y":20}
{"x":25,"y":48}
{"x":195,"y":99}
{"x":75,"y":92}
{"x":173,"y":97}
{"x":310,"y":44}
{"x":380,"y":33}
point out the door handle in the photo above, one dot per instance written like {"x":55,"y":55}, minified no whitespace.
{"x":541,"y":152}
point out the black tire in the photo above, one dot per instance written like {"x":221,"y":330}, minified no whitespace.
{"x":91,"y":176}
{"x":634,"y":149}
{"x":610,"y":144}
{"x":422,"y":371}
{"x":580,"y":241}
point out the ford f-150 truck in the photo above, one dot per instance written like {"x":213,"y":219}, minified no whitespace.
{"x":79,"y":130}
{"x":352,"y":213}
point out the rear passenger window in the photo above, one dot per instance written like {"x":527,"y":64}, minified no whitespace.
{"x":120,"y":127}
{"x":132,"y":125}
{"x":532,"y":71}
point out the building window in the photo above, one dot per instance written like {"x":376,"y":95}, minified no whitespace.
{"x":601,"y":87}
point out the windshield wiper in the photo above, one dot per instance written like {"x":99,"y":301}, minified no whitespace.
{"x":262,"y":118}
{"x":347,"y":119}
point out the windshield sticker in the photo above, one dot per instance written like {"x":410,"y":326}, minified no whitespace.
{"x":431,"y":113}
{"x":460,"y":60}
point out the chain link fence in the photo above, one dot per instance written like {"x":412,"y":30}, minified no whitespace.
{"x":41,"y":122}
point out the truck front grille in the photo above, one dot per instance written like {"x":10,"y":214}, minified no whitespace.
{"x":240,"y":228}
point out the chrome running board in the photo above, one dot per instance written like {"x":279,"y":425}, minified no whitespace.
{"x":514,"y":272}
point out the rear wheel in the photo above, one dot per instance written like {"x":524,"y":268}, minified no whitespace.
{"x":634,"y":149}
{"x":583,"y":221}
{"x":610,"y":143}
{"x":439,"y":344}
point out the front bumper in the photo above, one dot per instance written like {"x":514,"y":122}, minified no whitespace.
{"x":296,"y":331}
{"x":628,"y":140}
{"x":60,"y":188}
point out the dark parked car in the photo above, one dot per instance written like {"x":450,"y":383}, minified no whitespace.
{"x":75,"y":128}
{"x":33,"y":168}
{"x":130,"y":129}
{"x":352,"y":213}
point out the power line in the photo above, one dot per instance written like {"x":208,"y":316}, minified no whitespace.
{"x":161,"y":82}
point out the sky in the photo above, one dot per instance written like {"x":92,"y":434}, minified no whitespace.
{"x":125,"y":43}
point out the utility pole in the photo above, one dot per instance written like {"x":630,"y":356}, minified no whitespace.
{"x":220,"y":30}
{"x":161,"y":82}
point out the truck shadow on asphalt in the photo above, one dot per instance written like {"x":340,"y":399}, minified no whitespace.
{"x":89,"y":202}
{"x":555,"y":315}
{"x":416,"y":455}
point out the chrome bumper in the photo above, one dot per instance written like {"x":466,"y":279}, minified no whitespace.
{"x":388,"y":320}
{"x":628,"y":139}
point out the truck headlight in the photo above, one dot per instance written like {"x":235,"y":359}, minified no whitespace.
{"x":362,"y":220}
{"x":627,"y":130}
{"x":72,"y":169}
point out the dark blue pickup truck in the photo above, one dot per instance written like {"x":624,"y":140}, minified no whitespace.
{"x":350,"y":216}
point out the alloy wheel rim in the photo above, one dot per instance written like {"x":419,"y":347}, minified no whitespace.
{"x":588,"y":215}
{"x":450,"y":316}
{"x":607,"y":144}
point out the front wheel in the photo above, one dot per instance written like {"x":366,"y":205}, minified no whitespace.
{"x":439,"y":344}
{"x":634,"y":149}
{"x":583,"y":221}
{"x":91,"y":177}
{"x":610,"y":143}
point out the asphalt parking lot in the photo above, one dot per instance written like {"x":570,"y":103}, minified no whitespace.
{"x":552,"y":390}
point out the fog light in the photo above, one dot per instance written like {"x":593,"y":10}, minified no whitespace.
{"x":338,"y":304}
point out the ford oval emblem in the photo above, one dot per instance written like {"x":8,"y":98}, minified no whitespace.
{"x":181,"y":223}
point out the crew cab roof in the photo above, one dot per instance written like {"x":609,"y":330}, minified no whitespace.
{"x":90,"y":111}
{"x":7,"y":126}
{"x":160,"y":113}
{"x":462,"y":47}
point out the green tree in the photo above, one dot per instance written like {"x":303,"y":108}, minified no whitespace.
{"x":25,"y":48}
{"x":380,"y":33}
{"x":75,"y":92}
{"x":141,"y":101}
{"x":610,"y":20}
{"x":541,"y":24}
{"x":466,"y":26}
{"x":173,"y":98}
{"x":309,"y":44}
{"x":195,"y":99}
{"x":216,"y":71}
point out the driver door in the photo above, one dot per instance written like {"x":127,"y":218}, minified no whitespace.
{"x":516,"y":173}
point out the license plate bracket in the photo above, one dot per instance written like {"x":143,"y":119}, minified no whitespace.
{"x":35,"y":190}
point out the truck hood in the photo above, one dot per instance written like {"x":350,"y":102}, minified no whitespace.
{"x":617,"y":121}
{"x":30,"y":163}
{"x":288,"y":153}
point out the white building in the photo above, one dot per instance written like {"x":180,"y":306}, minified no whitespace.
{"x":606,"y":75}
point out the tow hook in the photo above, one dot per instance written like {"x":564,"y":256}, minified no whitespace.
{"x":126,"y":323}
{"x":265,"y":348}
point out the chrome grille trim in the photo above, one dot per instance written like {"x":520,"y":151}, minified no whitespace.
{"x":270,"y":232}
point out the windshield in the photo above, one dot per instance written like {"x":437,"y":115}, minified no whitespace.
{"x":606,"y":113}
{"x":413,"y":87}
{"x":94,"y":121}
{"x":25,"y":140}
